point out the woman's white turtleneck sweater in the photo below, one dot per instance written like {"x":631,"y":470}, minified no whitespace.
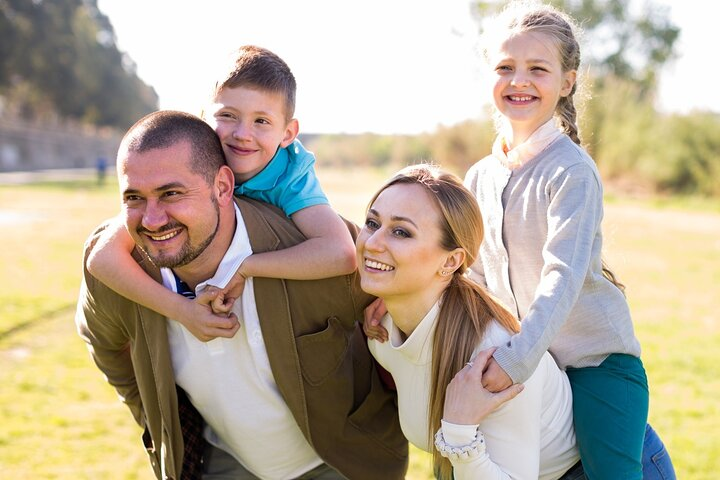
{"x":529,"y":437}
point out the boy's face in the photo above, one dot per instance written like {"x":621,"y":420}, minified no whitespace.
{"x":251,"y":125}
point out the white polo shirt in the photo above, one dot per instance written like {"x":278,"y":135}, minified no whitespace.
{"x":230,"y":382}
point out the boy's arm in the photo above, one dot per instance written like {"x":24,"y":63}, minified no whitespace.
{"x":111,"y":262}
{"x":329,"y":250}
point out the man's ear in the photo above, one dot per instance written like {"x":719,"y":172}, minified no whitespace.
{"x":291,"y":132}
{"x":224,"y":185}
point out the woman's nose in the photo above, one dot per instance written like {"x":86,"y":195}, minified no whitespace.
{"x":374,"y":241}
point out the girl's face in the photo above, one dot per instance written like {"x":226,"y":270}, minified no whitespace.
{"x":529,"y":82}
{"x":398,"y":249}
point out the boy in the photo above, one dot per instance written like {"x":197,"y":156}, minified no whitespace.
{"x":252,"y":113}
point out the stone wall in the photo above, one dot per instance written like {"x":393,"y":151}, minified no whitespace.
{"x":28,"y":146}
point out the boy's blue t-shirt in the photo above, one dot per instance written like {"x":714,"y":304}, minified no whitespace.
{"x":288,"y":181}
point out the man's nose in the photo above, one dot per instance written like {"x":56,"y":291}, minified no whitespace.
{"x":154,"y":216}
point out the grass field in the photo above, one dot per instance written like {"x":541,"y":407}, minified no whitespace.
{"x":59,"y":420}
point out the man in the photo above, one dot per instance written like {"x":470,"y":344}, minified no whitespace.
{"x":294,"y":393}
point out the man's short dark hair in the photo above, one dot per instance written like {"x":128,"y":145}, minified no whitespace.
{"x":165,"y":128}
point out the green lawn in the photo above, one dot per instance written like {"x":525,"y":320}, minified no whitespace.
{"x":59,"y":420}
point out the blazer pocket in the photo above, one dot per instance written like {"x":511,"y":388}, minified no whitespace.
{"x":323,"y":352}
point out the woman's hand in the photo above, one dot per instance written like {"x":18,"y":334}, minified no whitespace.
{"x":371,"y":323}
{"x":467,"y":402}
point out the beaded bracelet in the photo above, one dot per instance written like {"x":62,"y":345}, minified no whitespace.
{"x":455,"y":453}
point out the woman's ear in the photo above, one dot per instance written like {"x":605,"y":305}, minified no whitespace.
{"x":454,"y":260}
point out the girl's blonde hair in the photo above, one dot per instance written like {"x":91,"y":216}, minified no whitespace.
{"x":466,"y":308}
{"x":520,"y":17}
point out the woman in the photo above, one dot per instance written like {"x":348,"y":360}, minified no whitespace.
{"x":423,"y":230}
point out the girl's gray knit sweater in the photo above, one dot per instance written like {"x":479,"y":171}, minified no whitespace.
{"x":541,"y":256}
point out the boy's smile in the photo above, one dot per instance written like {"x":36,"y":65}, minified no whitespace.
{"x":251,"y":124}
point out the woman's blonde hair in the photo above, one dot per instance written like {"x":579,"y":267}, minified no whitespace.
{"x":466,"y":308}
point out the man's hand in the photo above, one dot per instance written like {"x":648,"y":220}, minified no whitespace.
{"x":205,"y":325}
{"x":494,"y":377}
{"x":467,"y":402}
{"x":371,"y":323}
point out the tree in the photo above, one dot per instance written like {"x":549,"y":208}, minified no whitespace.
{"x":61,"y":56}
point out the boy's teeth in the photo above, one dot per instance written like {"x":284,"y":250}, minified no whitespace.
{"x":378,"y":266}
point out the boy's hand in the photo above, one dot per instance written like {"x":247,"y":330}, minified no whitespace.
{"x":205,"y":325}
{"x":467,"y":402}
{"x":219,"y":302}
{"x":371,"y":323}
{"x":234,"y":287}
{"x":494,"y":377}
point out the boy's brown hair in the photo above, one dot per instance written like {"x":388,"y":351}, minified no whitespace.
{"x":259,"y":68}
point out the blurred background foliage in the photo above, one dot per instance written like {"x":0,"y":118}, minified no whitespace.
{"x":638,"y":148}
{"x":59,"y":59}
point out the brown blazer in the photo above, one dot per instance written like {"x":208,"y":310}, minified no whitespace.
{"x":317,"y":352}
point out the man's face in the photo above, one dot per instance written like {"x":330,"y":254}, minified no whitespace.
{"x":170,"y":211}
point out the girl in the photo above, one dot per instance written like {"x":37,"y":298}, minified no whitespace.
{"x":541,"y":197}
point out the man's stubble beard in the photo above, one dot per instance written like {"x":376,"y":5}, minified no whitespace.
{"x":187,"y":253}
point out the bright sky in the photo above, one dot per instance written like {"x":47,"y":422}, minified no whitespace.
{"x":384,"y":66}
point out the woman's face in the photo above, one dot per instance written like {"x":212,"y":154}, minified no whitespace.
{"x":398,"y":249}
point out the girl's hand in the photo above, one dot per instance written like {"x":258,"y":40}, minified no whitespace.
{"x":467,"y":402}
{"x":371,"y":323}
{"x":205,"y":325}
{"x":494,"y":377}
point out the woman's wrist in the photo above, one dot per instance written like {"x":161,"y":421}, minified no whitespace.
{"x":457,"y":435}
{"x":466,"y":452}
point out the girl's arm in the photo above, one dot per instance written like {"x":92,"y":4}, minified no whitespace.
{"x":573,"y":216}
{"x":329,"y":250}
{"x":111,"y":262}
